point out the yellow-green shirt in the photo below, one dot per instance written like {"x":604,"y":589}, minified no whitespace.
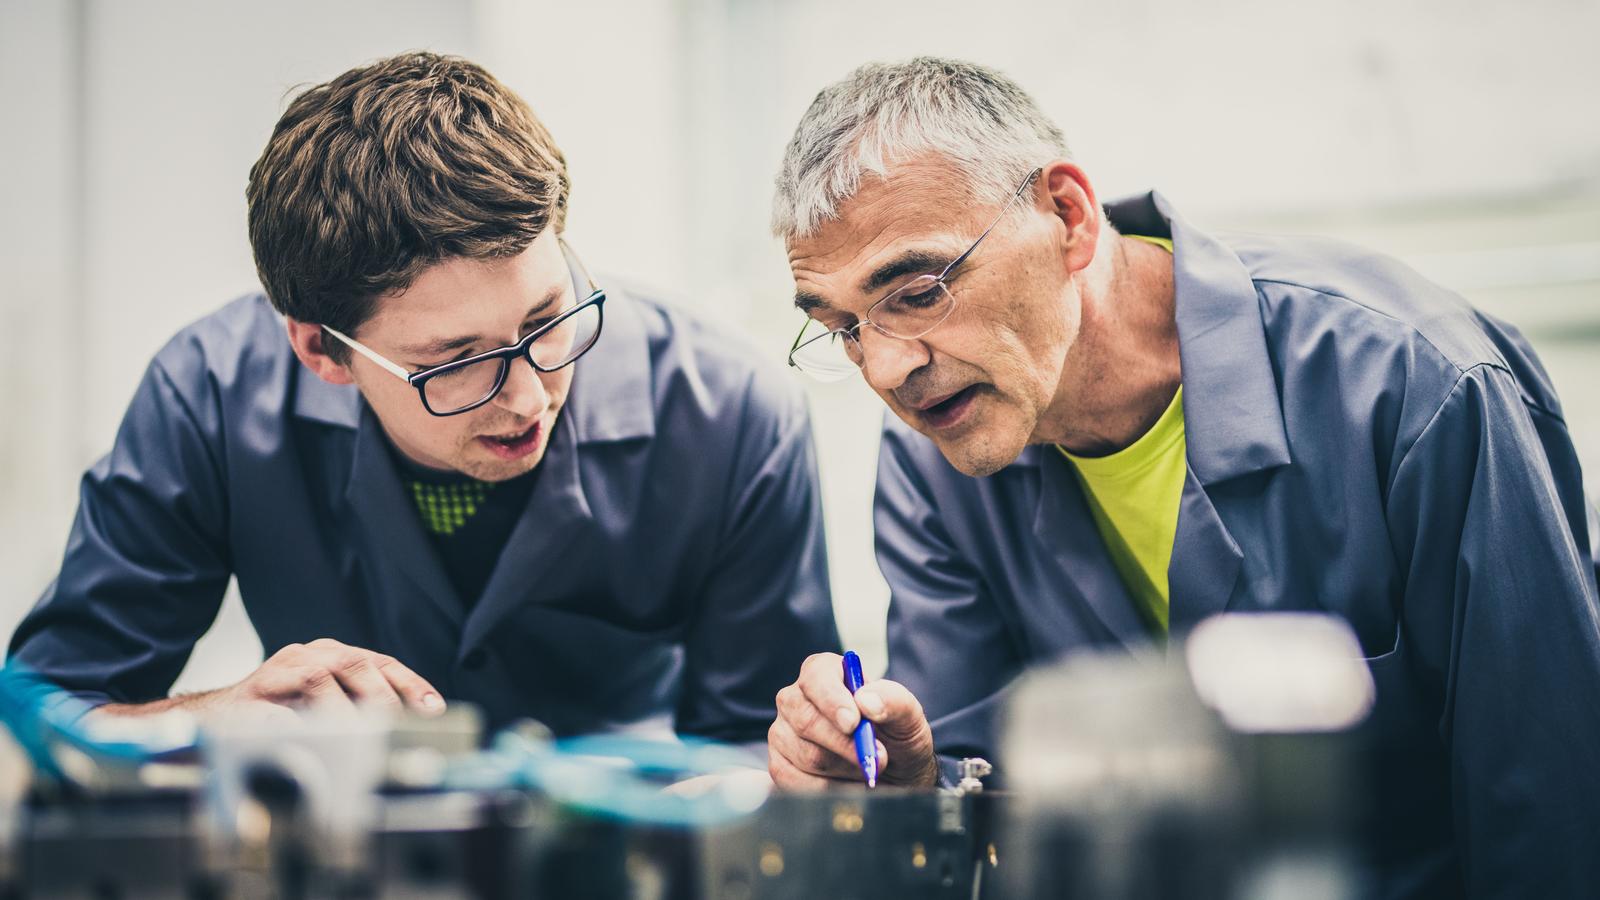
{"x":1133,"y":495}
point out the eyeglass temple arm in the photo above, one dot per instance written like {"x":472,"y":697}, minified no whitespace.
{"x":1021,"y":189}
{"x":582,"y":269}
{"x":371,"y":354}
{"x":800,"y":338}
{"x":796,"y":345}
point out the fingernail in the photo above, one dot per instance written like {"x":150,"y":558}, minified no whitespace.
{"x":846,"y":717}
{"x":870,"y":703}
{"x":432,"y":701}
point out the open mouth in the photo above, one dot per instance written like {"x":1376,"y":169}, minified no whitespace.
{"x":513,"y":446}
{"x":952,"y":410}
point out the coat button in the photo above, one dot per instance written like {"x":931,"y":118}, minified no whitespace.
{"x":475,"y":660}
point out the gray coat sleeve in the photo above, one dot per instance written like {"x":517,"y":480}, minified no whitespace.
{"x":1488,"y":521}
{"x":146,"y":564}
{"x":947,"y":640}
{"x":765,"y":606}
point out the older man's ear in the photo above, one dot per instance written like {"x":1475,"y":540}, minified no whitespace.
{"x":1069,"y":189}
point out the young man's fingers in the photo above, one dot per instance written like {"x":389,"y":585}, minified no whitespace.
{"x":362,"y":680}
{"x":319,"y":688}
{"x":412,"y":688}
{"x":352,"y":664}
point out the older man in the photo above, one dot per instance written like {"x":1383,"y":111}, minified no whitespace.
{"x":1109,"y":424}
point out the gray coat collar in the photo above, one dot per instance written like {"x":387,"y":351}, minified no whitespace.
{"x":1232,"y":420}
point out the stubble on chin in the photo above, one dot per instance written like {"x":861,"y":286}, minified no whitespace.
{"x":499,"y":470}
{"x":976,"y":462}
{"x":982,"y":452}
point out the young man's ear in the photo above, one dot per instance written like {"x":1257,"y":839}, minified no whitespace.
{"x":307,"y":339}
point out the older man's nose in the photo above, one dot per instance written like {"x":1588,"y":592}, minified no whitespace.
{"x":887,"y":361}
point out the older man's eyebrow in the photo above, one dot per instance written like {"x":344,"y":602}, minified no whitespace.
{"x":911,"y":262}
{"x":808,"y":303}
{"x":445,"y":345}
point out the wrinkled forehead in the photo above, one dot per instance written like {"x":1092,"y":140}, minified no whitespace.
{"x":917,"y":212}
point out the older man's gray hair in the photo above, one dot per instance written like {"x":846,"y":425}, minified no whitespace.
{"x":977,"y":119}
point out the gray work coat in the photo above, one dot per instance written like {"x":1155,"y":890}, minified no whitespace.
{"x":1361,"y":442}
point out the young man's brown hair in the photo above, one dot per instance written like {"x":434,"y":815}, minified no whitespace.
{"x":387,"y":169}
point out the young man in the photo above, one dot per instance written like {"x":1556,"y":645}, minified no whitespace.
{"x":1109,"y":425}
{"x":468,"y":471}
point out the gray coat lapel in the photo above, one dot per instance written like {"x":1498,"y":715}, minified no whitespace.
{"x":611,"y":401}
{"x":412,"y":607}
{"x":402,"y":561}
{"x":1233,"y":421}
{"x":417,"y":612}
{"x":537,"y":558}
{"x":1205,"y":561}
{"x":1063,"y":526}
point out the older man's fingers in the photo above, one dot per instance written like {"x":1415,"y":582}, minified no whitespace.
{"x":810,"y":757}
{"x":822,"y":682}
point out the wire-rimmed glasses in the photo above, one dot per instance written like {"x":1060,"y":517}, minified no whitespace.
{"x":907,"y":313}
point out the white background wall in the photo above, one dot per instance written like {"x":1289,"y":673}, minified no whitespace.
{"x":1459,"y":135}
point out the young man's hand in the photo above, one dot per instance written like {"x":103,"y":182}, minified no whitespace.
{"x":811,"y":745}
{"x":323,"y":673}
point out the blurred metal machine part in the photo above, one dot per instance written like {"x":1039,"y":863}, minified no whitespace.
{"x":885,"y":843}
{"x":1224,"y":769}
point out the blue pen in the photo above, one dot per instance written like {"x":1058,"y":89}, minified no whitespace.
{"x":866,"y":740}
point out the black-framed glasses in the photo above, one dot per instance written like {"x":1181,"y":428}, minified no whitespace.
{"x":466,"y":384}
{"x":907,"y":313}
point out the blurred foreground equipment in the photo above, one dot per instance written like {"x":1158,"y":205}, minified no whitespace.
{"x":1225,"y":769}
{"x":312,"y":805}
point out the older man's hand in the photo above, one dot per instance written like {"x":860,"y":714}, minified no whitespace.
{"x":811,"y":747}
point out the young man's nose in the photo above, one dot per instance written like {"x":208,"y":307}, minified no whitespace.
{"x":524,"y":392}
